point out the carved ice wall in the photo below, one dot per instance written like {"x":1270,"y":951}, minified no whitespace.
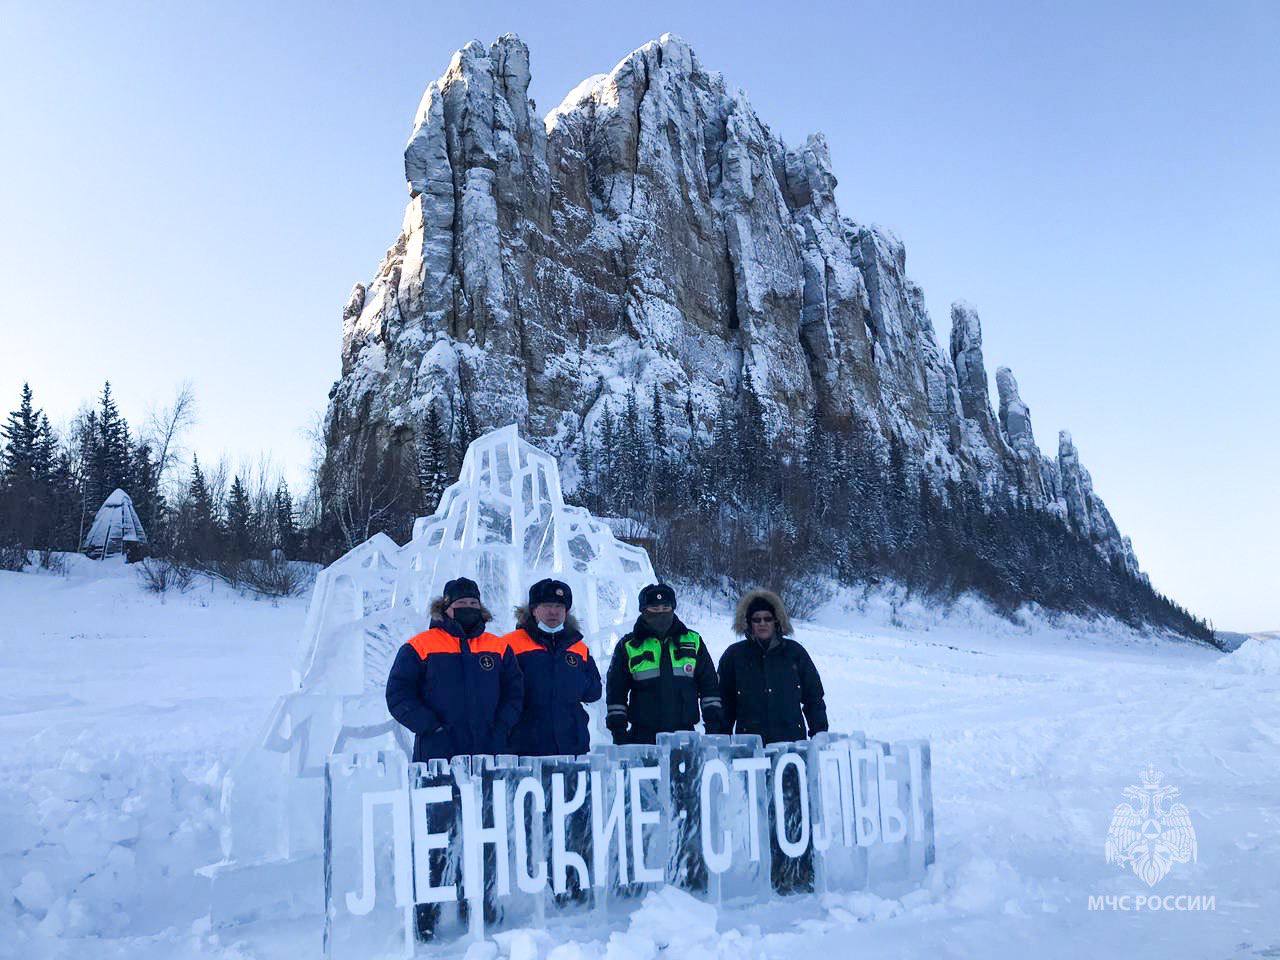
{"x":505,"y":524}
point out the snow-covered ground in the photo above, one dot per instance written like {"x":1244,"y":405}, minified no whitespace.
{"x":119,"y":712}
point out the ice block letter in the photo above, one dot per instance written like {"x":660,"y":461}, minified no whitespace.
{"x":640,"y":818}
{"x":718,"y":861}
{"x":528,"y":788}
{"x":561,"y":857}
{"x":421,"y":798}
{"x":395,"y":799}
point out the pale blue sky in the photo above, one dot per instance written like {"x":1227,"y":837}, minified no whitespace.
{"x":188,"y":191}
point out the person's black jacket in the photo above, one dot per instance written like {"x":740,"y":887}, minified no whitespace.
{"x":773,"y":690}
{"x":646,"y":698}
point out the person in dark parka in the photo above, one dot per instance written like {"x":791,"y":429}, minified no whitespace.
{"x":456,"y":686}
{"x":661,"y":675}
{"x":559,"y":675}
{"x":768,"y":682}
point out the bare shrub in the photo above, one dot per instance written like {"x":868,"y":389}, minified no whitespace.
{"x":13,"y":556}
{"x":274,"y":578}
{"x":159,"y":576}
{"x":54,"y":562}
{"x":806,"y":595}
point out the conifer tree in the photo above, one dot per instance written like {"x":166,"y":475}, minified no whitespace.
{"x":463,"y":432}
{"x":433,"y":462}
{"x":144,"y":489}
{"x":660,"y":460}
{"x":607,"y":466}
{"x":634,"y":466}
{"x":109,"y":453}
{"x":21,"y":434}
{"x":201,"y":532}
{"x":584,"y":458}
{"x":285,"y":523}
{"x":239,"y":522}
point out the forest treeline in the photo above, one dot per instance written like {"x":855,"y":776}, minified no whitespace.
{"x":835,"y":504}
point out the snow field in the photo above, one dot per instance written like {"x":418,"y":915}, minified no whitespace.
{"x":120,"y":711}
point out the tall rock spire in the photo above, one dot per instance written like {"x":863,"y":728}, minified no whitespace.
{"x":652,"y":233}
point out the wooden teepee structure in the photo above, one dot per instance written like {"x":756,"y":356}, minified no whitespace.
{"x":116,"y":528}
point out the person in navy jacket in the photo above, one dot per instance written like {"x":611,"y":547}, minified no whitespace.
{"x":559,"y":675}
{"x":456,"y":686}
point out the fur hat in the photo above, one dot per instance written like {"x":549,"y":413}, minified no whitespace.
{"x":658,"y":594}
{"x":524,"y":618}
{"x":550,"y":591}
{"x":440,"y":604}
{"x":460,"y":589}
{"x":759,"y":599}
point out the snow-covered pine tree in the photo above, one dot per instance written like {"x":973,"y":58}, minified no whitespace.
{"x":433,"y":462}
{"x":584,"y":458}
{"x":636,"y":487}
{"x":660,"y":456}
{"x":607,"y":460}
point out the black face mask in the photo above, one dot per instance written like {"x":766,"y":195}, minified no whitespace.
{"x":470,"y":619}
{"x":659,"y":623}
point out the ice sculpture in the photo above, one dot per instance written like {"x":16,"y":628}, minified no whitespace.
{"x":505,"y":524}
{"x":488,"y":844}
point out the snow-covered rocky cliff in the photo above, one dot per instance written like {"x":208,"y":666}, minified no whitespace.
{"x":652,"y":229}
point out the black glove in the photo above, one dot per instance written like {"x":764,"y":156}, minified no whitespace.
{"x":713,"y":721}
{"x":618,"y":728}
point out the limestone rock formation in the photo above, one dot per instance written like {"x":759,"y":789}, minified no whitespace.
{"x":651,"y":229}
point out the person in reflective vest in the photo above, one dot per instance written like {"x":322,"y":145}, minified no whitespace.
{"x":559,"y":675}
{"x":661,"y":675}
{"x":456,"y":686}
{"x":768,"y":681}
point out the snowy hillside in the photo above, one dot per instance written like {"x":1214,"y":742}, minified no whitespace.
{"x":119,"y":712}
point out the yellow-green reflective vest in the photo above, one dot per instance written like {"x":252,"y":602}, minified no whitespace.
{"x":644,"y":656}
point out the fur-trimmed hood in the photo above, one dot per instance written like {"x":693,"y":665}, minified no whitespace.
{"x":439,"y":604}
{"x":740,"y":615}
{"x":523,"y":616}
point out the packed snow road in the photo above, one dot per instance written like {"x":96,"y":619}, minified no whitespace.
{"x":119,"y":713}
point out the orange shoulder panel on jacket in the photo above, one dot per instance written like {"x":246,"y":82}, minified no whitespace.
{"x":432,"y":641}
{"x":520,"y":642}
{"x":580,"y":648}
{"x":488,"y":643}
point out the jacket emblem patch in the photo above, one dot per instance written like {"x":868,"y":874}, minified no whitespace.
{"x":571,"y":659}
{"x":487,"y":662}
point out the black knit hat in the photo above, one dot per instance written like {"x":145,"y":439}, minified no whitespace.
{"x":550,"y":591}
{"x":758,"y":604}
{"x":658,"y":594}
{"x":460,"y":589}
